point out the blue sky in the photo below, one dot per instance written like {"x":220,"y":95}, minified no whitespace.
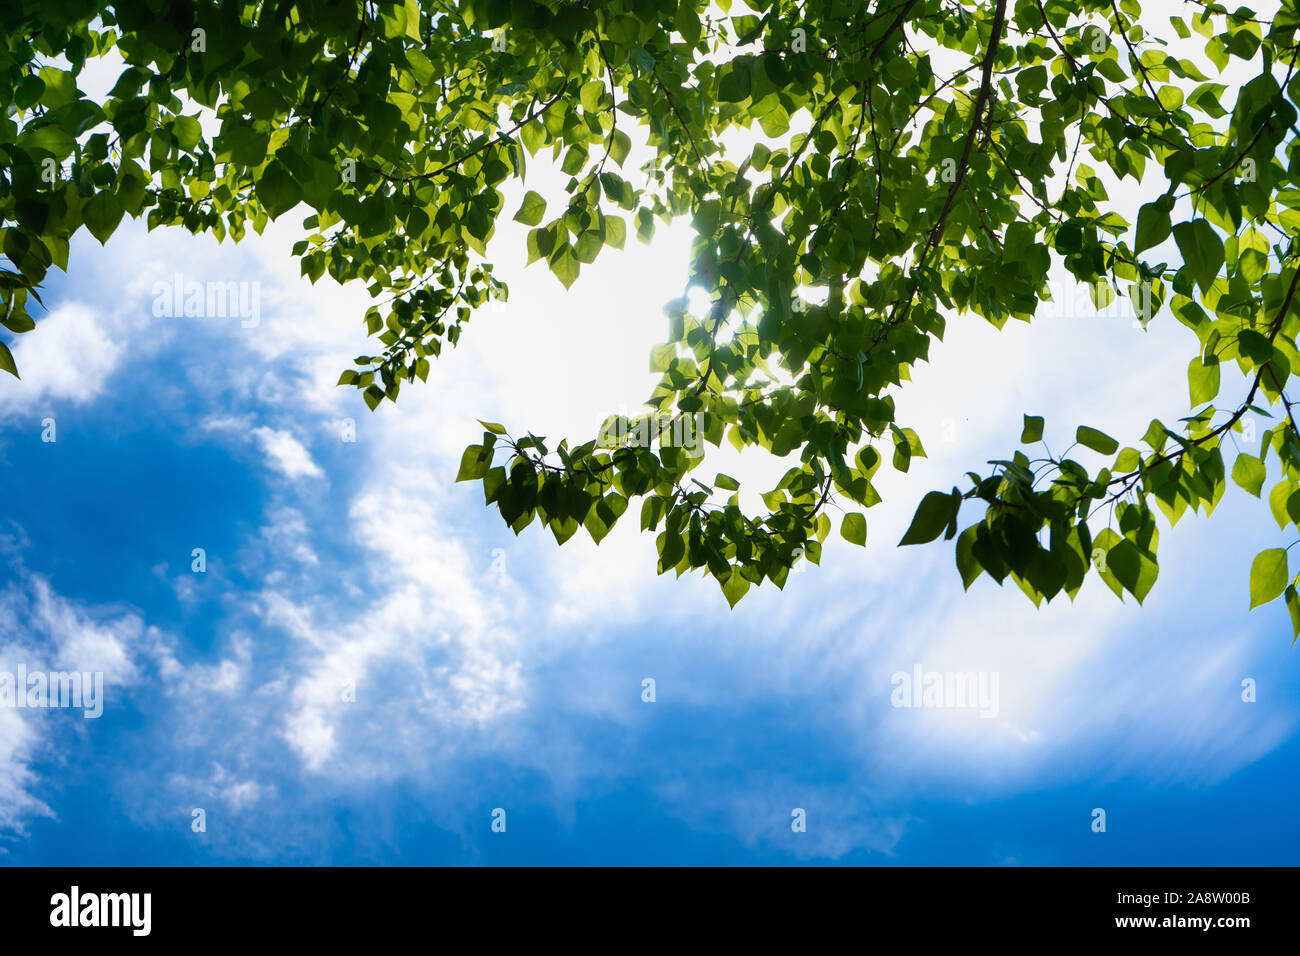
{"x":491,"y":671}
{"x":512,"y":678}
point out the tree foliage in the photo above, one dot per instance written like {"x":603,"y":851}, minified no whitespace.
{"x":910,"y":159}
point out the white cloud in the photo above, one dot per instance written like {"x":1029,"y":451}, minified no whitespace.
{"x":42,"y":631}
{"x":223,"y":786}
{"x":431,"y":650}
{"x":283,"y":452}
{"x":70,"y":355}
{"x":286,"y":454}
{"x":18,"y":782}
{"x":287,"y":534}
{"x":763,"y":812}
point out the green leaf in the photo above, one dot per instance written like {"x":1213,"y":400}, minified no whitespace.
{"x":588,"y":246}
{"x":735,"y":586}
{"x":620,"y":146}
{"x":1268,"y":574}
{"x":1284,"y":502}
{"x":187,"y":131}
{"x":1033,"y":430}
{"x":1156,"y":435}
{"x":1249,"y":472}
{"x":1153,"y":226}
{"x":615,"y":232}
{"x":1132,"y":568}
{"x":1170,"y":97}
{"x":574,"y":160}
{"x":968,"y":566}
{"x":734,"y":84}
{"x":534,"y":136}
{"x":661,"y":356}
{"x":101,"y":214}
{"x":1202,"y":251}
{"x":7,"y":361}
{"x":854,"y":529}
{"x":1293,"y":608}
{"x":532,"y":210}
{"x":688,"y":23}
{"x":60,"y":87}
{"x":17,"y":321}
{"x":475,"y":462}
{"x":624,"y":30}
{"x":590,"y":94}
{"x":564,"y":266}
{"x":776,"y":123}
{"x":1203,"y":380}
{"x":936,"y":511}
{"x":52,"y":139}
{"x":540,"y":243}
{"x":1096,"y":440}
{"x":564,"y":528}
{"x":277,"y":190}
